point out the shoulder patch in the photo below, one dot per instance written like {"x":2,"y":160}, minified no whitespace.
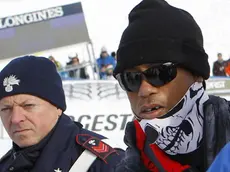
{"x":95,"y":145}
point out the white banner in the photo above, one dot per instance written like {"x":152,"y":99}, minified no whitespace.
{"x":101,"y":106}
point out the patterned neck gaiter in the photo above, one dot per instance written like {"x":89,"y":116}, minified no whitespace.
{"x":181,"y":129}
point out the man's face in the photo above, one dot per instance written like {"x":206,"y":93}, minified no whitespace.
{"x":104,"y":54}
{"x":166,"y":97}
{"x":75,"y":60}
{"x":220,"y":57}
{"x":27,"y":119}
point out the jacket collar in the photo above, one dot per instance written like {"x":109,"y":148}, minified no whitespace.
{"x":58,"y":143}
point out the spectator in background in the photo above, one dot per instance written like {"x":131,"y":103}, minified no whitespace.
{"x":106,"y":64}
{"x":219,"y":66}
{"x":78,"y":71}
{"x":57,"y":63}
{"x":113,"y":54}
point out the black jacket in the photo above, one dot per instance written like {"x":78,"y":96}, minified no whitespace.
{"x":217,"y":127}
{"x":59,"y":150}
{"x":219,"y":68}
{"x":216,"y":135}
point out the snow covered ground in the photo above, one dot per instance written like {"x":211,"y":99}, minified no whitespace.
{"x":5,"y":145}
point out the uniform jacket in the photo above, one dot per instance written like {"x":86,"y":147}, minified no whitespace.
{"x":60,"y":151}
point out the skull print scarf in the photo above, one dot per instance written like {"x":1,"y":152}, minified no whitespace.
{"x":181,"y":129}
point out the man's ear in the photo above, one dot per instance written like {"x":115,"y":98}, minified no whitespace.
{"x":59,"y":111}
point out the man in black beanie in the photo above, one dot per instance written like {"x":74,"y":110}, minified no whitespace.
{"x":32,"y":103}
{"x":162,"y":65}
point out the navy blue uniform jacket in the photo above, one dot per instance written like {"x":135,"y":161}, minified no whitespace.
{"x":61,"y":151}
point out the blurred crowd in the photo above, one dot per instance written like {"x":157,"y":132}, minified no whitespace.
{"x":75,"y":69}
{"x":106,"y":62}
{"x":221,"y":67}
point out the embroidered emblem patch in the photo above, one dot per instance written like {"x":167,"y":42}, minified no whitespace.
{"x":8,"y":82}
{"x":95,"y":145}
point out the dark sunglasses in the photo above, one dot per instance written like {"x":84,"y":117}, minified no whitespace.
{"x":156,"y":75}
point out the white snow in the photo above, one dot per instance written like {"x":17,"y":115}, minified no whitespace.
{"x":5,"y":145}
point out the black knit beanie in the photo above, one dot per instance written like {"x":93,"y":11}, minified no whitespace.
{"x":32,"y":75}
{"x":159,"y":33}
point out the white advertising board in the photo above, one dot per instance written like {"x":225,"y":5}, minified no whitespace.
{"x":101,"y":106}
